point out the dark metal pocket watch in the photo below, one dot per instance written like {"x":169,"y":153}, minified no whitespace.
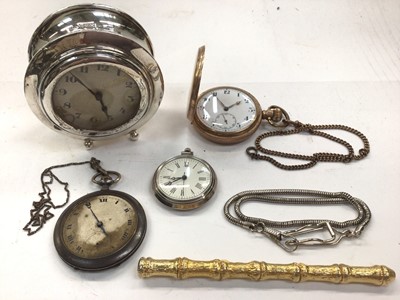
{"x":92,"y":74}
{"x":102,"y":229}
{"x":99,"y":230}
{"x":184,"y":182}
{"x":227,"y":114}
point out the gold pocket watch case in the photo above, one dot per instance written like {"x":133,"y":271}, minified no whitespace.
{"x":92,"y":74}
{"x":225,"y":114}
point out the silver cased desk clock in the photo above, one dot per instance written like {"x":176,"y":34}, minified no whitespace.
{"x":92,"y":74}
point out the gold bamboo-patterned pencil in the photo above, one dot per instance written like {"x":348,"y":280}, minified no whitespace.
{"x":184,"y":268}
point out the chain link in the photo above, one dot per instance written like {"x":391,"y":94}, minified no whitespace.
{"x":299,"y":127}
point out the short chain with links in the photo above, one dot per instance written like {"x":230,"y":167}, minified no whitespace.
{"x":40,"y":213}
{"x":254,"y":152}
{"x":287,"y":239}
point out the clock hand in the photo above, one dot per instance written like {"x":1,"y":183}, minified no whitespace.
{"x":98,"y":222}
{"x":97,"y":95}
{"x":104,"y":108}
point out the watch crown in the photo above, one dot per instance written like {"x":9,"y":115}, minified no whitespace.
{"x":187,"y":151}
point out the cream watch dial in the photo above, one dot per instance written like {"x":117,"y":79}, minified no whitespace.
{"x":84,"y":237}
{"x":184,"y":178}
{"x":96,"y":97}
{"x":100,"y":230}
{"x":226,"y":109}
{"x":184,"y":182}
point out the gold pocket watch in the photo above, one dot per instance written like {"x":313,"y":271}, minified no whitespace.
{"x":225,"y":114}
{"x":92,"y":74}
{"x":184,"y":182}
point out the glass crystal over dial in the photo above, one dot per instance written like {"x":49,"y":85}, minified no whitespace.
{"x":96,"y":97}
{"x":184,"y":182}
{"x":226,"y":109}
{"x":100,"y":230}
{"x":99,"y":226}
{"x":184,"y":178}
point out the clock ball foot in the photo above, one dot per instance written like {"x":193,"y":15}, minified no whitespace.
{"x":88,"y":144}
{"x":133,"y":135}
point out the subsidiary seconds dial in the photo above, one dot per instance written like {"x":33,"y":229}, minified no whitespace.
{"x":184,"y":182}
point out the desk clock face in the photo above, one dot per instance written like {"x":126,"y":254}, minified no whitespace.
{"x":97,"y":97}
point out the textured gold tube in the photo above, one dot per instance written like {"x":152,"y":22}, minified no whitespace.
{"x":183,"y":268}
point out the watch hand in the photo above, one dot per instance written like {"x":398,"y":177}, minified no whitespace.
{"x":98,"y":222}
{"x":223,"y":105}
{"x":184,"y":177}
{"x":175,"y":179}
{"x":230,"y":106}
{"x":97,"y":95}
{"x":226,"y":121}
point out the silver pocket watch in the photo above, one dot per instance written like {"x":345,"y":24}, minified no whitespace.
{"x":184,"y":182}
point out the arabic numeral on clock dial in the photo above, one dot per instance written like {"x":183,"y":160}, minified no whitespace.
{"x":60,"y":91}
{"x":103,"y":68}
{"x":70,"y":79}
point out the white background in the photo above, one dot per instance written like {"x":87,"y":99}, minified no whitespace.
{"x":323,"y":61}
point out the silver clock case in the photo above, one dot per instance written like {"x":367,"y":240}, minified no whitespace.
{"x":185,"y":204}
{"x":89,"y":34}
